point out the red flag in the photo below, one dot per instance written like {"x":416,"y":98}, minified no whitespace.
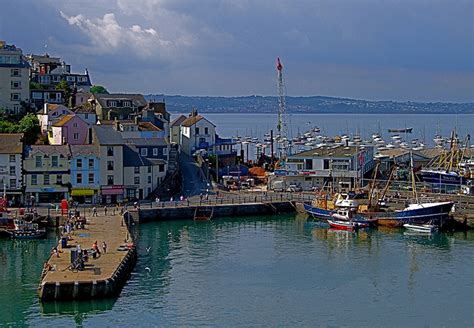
{"x":361,"y":159}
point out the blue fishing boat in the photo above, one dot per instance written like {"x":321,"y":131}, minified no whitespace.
{"x":26,"y":230}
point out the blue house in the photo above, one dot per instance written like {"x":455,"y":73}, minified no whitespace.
{"x":85,"y":174}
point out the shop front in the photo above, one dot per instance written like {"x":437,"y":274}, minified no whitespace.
{"x":112,"y":194}
{"x":47,"y":195}
{"x":85,"y":195}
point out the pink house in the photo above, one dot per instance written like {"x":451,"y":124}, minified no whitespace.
{"x":70,"y":129}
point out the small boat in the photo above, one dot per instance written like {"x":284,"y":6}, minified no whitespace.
{"x":26,"y":230}
{"x":346,"y":225}
{"x":426,"y":228}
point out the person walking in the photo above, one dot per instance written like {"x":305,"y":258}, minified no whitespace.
{"x":94,"y":211}
{"x":105,"y":209}
{"x":104,"y":247}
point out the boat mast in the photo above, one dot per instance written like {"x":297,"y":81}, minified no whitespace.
{"x":413,"y":184}
{"x":282,"y":127}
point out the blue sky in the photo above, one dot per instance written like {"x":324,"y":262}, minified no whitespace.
{"x":420,"y":50}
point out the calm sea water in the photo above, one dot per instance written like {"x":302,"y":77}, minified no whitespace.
{"x":262,"y":271}
{"x":424,"y":126}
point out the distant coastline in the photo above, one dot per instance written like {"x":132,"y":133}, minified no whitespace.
{"x":306,"y":105}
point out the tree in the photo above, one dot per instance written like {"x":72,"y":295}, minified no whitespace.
{"x":29,"y":125}
{"x":98,"y":89}
{"x":37,"y":86}
{"x":64,"y":87}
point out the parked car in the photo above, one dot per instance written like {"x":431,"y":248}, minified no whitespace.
{"x":294,"y":188}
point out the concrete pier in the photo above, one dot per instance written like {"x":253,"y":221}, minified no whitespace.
{"x":103,"y":276}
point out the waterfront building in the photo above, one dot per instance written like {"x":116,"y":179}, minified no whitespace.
{"x":47,"y":173}
{"x":338,"y":167}
{"x":81,"y":97}
{"x":196,"y":133}
{"x":14,"y":79}
{"x":111,"y":178}
{"x":49,"y":71}
{"x":175,"y":129}
{"x":85,"y":173}
{"x":70,"y":129}
{"x":155,"y":112}
{"x":11,"y":162}
{"x":50,"y":114}
{"x":117,"y":105}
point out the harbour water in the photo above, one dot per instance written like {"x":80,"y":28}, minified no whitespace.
{"x":254,"y":271}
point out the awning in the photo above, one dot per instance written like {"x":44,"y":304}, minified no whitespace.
{"x":83,"y":192}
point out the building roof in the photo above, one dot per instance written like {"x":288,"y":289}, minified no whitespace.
{"x":138,"y":100}
{"x":51,"y":149}
{"x":106,"y":135}
{"x":64,"y":120}
{"x":85,"y":108}
{"x":335,"y":151}
{"x":131,"y":157}
{"x":146,"y":141}
{"x":177,"y":121}
{"x":84,"y":150}
{"x":11,"y":143}
{"x":51,"y":107}
{"x":45,"y":59}
{"x":147,"y":126}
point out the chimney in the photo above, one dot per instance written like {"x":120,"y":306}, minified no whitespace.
{"x":136,"y":120}
{"x":116,"y":125}
{"x":45,"y":108}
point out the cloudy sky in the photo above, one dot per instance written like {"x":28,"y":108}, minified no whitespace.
{"x":421,"y":50}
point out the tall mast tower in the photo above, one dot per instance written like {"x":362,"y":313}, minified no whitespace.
{"x":282,"y":128}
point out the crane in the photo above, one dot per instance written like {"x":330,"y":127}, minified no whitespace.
{"x":282,"y":126}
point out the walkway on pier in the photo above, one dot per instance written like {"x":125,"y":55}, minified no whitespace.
{"x":102,"y":270}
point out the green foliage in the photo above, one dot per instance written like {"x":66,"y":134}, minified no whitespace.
{"x":98,"y":89}
{"x":37,"y":86}
{"x":29,"y":125}
{"x":63,"y":86}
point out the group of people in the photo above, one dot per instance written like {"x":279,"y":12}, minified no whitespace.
{"x":115,"y":210}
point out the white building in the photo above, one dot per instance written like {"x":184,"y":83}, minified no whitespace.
{"x":50,"y":114}
{"x":197,"y":132}
{"x":11,"y":153}
{"x":14,"y":78}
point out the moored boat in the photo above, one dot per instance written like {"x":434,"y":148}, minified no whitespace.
{"x":26,"y":230}
{"x":346,"y":225}
{"x":426,"y":228}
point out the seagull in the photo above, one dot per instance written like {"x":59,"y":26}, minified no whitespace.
{"x":148,"y":269}
{"x":148,"y":249}
{"x":169,"y":233}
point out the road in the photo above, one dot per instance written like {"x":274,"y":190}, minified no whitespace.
{"x":194,"y":182}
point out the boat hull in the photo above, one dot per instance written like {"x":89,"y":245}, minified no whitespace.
{"x":438,"y":212}
{"x":440,"y":177}
{"x":317,"y":213}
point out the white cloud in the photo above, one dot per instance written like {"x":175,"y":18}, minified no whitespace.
{"x":108,"y":36}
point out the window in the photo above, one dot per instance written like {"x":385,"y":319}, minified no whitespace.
{"x":91,"y":163}
{"x":34,"y":179}
{"x":74,"y":125}
{"x":16,"y":85}
{"x":165,"y":151}
{"x":110,"y":180}
{"x":37,"y":95}
{"x":110,"y":151}
{"x":136,"y":180}
{"x":143,"y":151}
{"x":91,"y":178}
{"x":13,"y":183}
{"x":206,"y":130}
{"x":38,"y":161}
{"x":149,"y":190}
{"x":46,"y":179}
{"x":202,"y":140}
{"x":75,"y":136}
{"x":112,"y":103}
{"x":15,"y":96}
{"x":71,"y":78}
{"x":161,"y":168}
{"x":86,"y":115}
{"x":12,"y":158}
{"x":149,"y":169}
{"x":155,"y":151}
{"x":79,"y":163}
{"x":127,"y":104}
{"x":308,"y":164}
{"x":59,"y":179}
{"x":54,"y":161}
{"x":15,"y":72}
{"x":12,"y":170}
{"x":110,"y":165}
{"x":326,"y":164}
{"x":79,"y":178}
{"x":149,"y":179}
{"x":136,"y":169}
{"x":197,"y":131}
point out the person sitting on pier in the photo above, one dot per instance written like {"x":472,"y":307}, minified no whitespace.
{"x":47,"y":266}
{"x":55,"y":252}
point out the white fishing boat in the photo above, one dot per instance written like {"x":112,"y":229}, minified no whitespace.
{"x":426,"y":228}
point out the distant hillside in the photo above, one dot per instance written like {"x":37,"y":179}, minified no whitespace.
{"x":313,"y":104}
